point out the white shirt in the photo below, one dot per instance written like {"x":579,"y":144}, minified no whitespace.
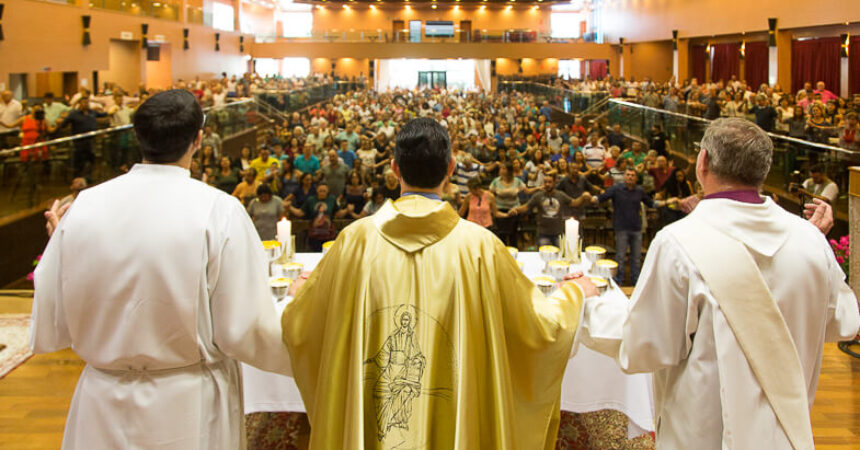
{"x":10,"y":113}
{"x":159,"y":283}
{"x":827,"y":189}
{"x":594,"y":155}
{"x":706,"y":395}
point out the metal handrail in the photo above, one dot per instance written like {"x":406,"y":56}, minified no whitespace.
{"x":772,"y":135}
{"x":90,"y":134}
{"x":549,"y":86}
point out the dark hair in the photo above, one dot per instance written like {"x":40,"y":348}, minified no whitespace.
{"x":166,"y":124}
{"x":264,"y":189}
{"x":48,"y":95}
{"x":818,"y":168}
{"x":473,"y":183}
{"x":423,"y":151}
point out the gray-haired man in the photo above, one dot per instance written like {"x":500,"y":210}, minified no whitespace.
{"x":732,"y":308}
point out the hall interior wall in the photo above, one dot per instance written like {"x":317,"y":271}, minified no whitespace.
{"x":46,"y":38}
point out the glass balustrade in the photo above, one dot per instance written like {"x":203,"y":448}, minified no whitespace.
{"x":571,"y":102}
{"x":32,"y":174}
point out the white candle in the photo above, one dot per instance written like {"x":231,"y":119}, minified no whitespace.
{"x":283,"y":234}
{"x":571,"y":238}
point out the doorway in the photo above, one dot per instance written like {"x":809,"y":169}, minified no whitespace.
{"x":18,"y":85}
{"x":432,"y":79}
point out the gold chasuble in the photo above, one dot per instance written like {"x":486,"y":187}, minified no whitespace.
{"x":418,"y":330}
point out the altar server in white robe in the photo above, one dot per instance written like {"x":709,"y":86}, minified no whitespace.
{"x":723,"y":381}
{"x":158,"y":282}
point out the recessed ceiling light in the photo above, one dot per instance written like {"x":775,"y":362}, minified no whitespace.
{"x":434,"y":6}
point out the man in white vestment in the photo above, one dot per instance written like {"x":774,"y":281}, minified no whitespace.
{"x":709,"y":394}
{"x":158,"y":282}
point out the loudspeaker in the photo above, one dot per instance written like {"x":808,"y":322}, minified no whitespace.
{"x":185,"y":45}
{"x":1,"y":18}
{"x":621,"y":45}
{"x":771,"y":32}
{"x":520,"y":65}
{"x":674,"y":39}
{"x":217,"y":44}
{"x":371,"y":69}
{"x":144,"y":28}
{"x":492,"y":67}
{"x":743,"y":50}
{"x":153,"y":53}
{"x":332,"y":69}
{"x":86,"y":22}
{"x":843,"y":51}
{"x":241,"y":44}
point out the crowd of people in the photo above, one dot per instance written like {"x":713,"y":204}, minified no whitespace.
{"x":514,"y":166}
{"x":812,"y":113}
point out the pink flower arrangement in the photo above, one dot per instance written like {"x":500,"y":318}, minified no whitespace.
{"x":842,"y":251}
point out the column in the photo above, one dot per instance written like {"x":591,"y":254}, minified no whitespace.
{"x":773,"y":52}
{"x":843,"y":66}
{"x":783,"y":49}
{"x":854,"y":226}
{"x":682,"y":59}
{"x":675,"y":65}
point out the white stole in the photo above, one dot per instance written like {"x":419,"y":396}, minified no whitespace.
{"x":750,"y":310}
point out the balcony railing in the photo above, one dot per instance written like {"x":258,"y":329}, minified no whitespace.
{"x":572,"y":102}
{"x":103,"y":154}
{"x":380,"y":35}
{"x":792,"y":157}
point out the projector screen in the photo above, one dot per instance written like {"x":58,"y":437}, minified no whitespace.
{"x":439,"y":28}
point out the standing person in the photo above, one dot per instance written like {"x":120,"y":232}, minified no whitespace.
{"x":82,"y":119}
{"x":819,"y":184}
{"x":265,"y":211}
{"x":733,"y":307}
{"x":550,"y":203}
{"x":163,"y":319}
{"x":334,"y":174}
{"x":627,"y":200}
{"x":210,"y":137}
{"x":225,"y":177}
{"x":507,"y":189}
{"x":10,"y":111}
{"x":398,"y":351}
{"x":479,"y":206}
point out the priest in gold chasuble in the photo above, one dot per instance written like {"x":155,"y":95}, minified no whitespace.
{"x":418,"y":329}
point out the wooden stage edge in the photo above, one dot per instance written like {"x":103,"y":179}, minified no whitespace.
{"x":35,"y":397}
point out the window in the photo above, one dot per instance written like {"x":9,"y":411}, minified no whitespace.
{"x":565,"y":25}
{"x":569,"y":69}
{"x":297,"y":20}
{"x":295,"y":67}
{"x":222,"y":17}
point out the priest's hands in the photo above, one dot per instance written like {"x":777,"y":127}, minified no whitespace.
{"x":298,"y":283}
{"x":53,"y":216}
{"x":584,"y":283}
{"x":820,"y":214}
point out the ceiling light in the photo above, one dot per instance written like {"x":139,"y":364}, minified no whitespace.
{"x":456,"y":7}
{"x":373,"y":7}
{"x":483,"y":7}
{"x":434,"y":6}
{"x":345,"y":6}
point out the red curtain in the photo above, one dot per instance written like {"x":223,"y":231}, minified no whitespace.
{"x":815,"y":60}
{"x":756,"y":62}
{"x":854,"y":65}
{"x":699,"y":62}
{"x":726,"y":62}
{"x":597,"y":69}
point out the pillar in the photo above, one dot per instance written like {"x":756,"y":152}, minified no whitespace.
{"x":854,"y":227}
{"x":783,"y":50}
{"x":682,"y":61}
{"x":843,"y":66}
{"x":773,"y":52}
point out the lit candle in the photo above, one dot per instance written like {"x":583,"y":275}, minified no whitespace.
{"x":571,"y":239}
{"x":283,"y":234}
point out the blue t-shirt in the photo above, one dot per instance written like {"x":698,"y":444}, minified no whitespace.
{"x":348,"y":157}
{"x":309,"y":165}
